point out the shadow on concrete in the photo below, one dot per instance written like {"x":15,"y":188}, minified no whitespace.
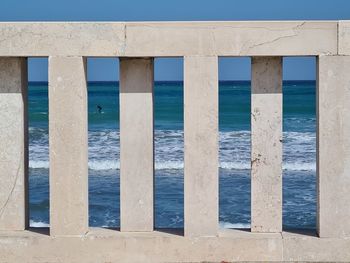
{"x":171,"y":231}
{"x":40,"y":230}
{"x":305,"y":232}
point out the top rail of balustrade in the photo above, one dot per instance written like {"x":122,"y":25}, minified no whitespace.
{"x":171,"y":39}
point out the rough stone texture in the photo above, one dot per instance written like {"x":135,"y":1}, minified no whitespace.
{"x":306,"y":247}
{"x":333,"y":151}
{"x":344,"y":38}
{"x":13,"y":143}
{"x":140,"y":39}
{"x":266,"y":163}
{"x":68,"y":146}
{"x":201,"y":146}
{"x":107,"y":245}
{"x":231,"y":38}
{"x":136,"y":144}
{"x":61,"y":39}
{"x":104,"y":245}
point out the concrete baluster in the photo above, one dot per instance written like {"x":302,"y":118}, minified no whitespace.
{"x":266,"y":141}
{"x":68,"y":140}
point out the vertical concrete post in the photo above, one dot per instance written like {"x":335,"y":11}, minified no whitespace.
{"x":266,"y":141}
{"x":333,"y":146}
{"x":68,"y":146}
{"x":13,"y":144}
{"x":136,"y":144}
{"x":201,"y":145}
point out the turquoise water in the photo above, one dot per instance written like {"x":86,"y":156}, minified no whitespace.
{"x":299,"y":204}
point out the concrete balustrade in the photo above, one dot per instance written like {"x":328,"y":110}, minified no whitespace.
{"x":343,"y":38}
{"x":136,"y":145}
{"x":69,"y":238}
{"x":266,"y":163}
{"x":168,"y":39}
{"x":201,"y":146}
{"x":333,"y":142}
{"x":68,"y":146}
{"x":13,"y":144}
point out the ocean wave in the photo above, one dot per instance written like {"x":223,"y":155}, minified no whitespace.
{"x":38,"y":224}
{"x":233,"y":225}
{"x":177,"y":165}
{"x":222,"y":224}
{"x":299,"y":150}
{"x":39,"y":164}
{"x":298,"y":166}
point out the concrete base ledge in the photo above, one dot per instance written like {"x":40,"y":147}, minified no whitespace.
{"x":107,"y":245}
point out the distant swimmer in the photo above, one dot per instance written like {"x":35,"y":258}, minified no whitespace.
{"x":99,"y":109}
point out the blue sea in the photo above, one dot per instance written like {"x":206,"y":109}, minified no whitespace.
{"x":299,"y":144}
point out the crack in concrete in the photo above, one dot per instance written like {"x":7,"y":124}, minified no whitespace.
{"x":2,"y":209}
{"x":246,"y":50}
{"x":200,"y":26}
{"x":123,"y":46}
{"x":255,"y":160}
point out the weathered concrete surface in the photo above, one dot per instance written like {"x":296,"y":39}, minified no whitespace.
{"x":231,"y":38}
{"x":13,"y":143}
{"x":150,"y":39}
{"x":201,"y":146}
{"x":344,"y":38}
{"x":61,"y":39}
{"x":103,"y":245}
{"x":333,"y":146}
{"x":68,"y":146}
{"x":306,"y":247}
{"x":266,"y":152}
{"x":136,"y":144}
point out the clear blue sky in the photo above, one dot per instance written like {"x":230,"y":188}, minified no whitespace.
{"x":163,"y":10}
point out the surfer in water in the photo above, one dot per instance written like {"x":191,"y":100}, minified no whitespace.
{"x":99,"y":108}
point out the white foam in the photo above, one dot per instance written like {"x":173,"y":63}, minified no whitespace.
{"x":231,"y":225}
{"x":297,"y":166}
{"x":38,"y":224}
{"x":221,"y":224}
{"x":176,"y":165}
{"x":235,"y":165}
{"x":39,"y":164}
{"x":104,"y":165}
{"x":298,"y":150}
{"x":169,"y":165}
